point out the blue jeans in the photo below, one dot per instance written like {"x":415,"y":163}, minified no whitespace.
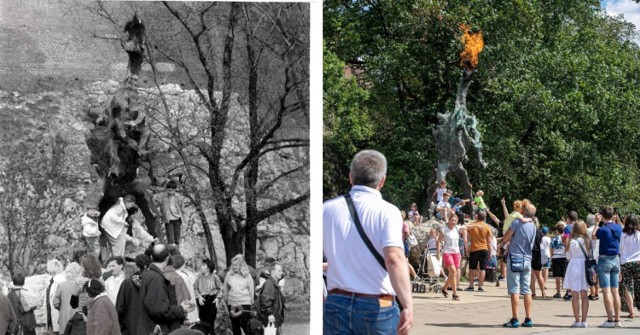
{"x":608,"y":271}
{"x":345,"y":315}
{"x":518,"y":282}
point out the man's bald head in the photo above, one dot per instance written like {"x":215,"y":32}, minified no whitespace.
{"x":159,"y":253}
{"x":530,"y":210}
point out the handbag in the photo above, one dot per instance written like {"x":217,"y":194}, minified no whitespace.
{"x":270,"y":329}
{"x":590,"y":267}
{"x":365,"y":239}
{"x":517,"y":263}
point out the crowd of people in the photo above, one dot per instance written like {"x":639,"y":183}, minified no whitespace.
{"x":366,"y":267}
{"x":600,"y":253}
{"x":152,"y":293}
{"x":158,"y":296}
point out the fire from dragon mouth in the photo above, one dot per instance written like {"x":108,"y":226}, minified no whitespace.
{"x":473,"y":45}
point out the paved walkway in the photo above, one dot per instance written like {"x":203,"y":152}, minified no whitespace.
{"x":485,"y":312}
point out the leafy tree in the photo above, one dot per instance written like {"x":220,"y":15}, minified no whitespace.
{"x":553,"y":95}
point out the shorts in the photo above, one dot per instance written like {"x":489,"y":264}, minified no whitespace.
{"x":518,"y":282}
{"x":559,"y":267}
{"x":608,"y":271}
{"x":476,"y":257}
{"x":451,"y":259}
{"x":536,"y":261}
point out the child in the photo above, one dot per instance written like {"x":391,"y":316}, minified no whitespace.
{"x":440,"y":191}
{"x":479,"y":201}
{"x":139,"y":238}
{"x":414,"y":215}
{"x":545,"y":249}
{"x":558,"y":258}
{"x":91,"y":231}
{"x":575,"y":277}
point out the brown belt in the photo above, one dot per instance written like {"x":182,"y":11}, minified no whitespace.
{"x":361,"y":295}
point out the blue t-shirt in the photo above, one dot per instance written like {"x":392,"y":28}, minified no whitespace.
{"x":609,"y":236}
{"x":567,"y":230}
{"x":524,"y":235}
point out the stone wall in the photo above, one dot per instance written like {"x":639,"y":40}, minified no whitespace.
{"x":283,"y":236}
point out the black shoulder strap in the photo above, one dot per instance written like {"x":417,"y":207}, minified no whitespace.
{"x":364,"y":237}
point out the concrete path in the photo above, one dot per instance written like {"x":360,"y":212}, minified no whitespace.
{"x":485,"y":312}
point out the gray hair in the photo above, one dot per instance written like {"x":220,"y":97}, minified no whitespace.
{"x":368,"y":167}
{"x":530,"y":210}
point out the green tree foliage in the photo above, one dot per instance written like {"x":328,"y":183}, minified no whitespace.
{"x":554,"y":95}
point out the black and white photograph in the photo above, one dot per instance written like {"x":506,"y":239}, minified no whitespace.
{"x":154,"y":167}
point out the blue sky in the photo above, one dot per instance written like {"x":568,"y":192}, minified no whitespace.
{"x":629,"y":8}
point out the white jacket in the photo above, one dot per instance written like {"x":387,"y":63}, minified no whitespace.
{"x":115,"y":220}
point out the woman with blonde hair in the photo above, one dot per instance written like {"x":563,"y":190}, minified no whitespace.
{"x":575,"y":278}
{"x":63,"y":295}
{"x":238,"y":293}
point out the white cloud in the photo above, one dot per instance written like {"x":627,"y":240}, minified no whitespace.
{"x":629,"y":8}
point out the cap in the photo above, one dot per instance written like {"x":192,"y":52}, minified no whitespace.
{"x":457,"y":200}
{"x":545,"y":230}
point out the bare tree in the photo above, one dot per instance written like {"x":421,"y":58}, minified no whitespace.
{"x":260,"y":51}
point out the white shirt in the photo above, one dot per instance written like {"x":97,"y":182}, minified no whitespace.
{"x":114,"y":220}
{"x":630,"y":247}
{"x":545,"y":247}
{"x":112,"y":286}
{"x":443,"y":204}
{"x":352,"y":267}
{"x":494,"y":246}
{"x":440,"y":193}
{"x":595,"y":244}
{"x":451,"y":240}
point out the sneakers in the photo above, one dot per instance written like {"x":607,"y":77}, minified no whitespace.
{"x":592,"y":297}
{"x":527,"y":323}
{"x":576,"y":325}
{"x":480,"y":289}
{"x":567,"y":297}
{"x":584,"y":325}
{"x":513,"y":323}
{"x":608,"y":324}
{"x":617,"y":324}
{"x":557,"y":295}
{"x":500,"y":278}
{"x":469,"y":289}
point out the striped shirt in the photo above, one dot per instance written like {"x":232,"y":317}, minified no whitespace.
{"x":208,"y":284}
{"x":83,"y":297}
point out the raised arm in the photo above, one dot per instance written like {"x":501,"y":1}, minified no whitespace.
{"x":504,"y":208}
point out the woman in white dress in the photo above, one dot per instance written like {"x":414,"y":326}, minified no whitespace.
{"x":575,"y":278}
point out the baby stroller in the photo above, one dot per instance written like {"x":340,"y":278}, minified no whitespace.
{"x":427,"y":279}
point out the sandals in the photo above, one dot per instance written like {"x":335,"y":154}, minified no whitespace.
{"x":445,"y":294}
{"x":631,"y":316}
{"x":455,"y":297}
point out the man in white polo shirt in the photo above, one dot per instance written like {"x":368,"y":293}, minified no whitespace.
{"x":359,"y":288}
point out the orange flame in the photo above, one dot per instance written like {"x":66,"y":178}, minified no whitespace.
{"x":473,"y":45}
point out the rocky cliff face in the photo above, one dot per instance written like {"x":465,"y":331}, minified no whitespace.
{"x":283,"y":236}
